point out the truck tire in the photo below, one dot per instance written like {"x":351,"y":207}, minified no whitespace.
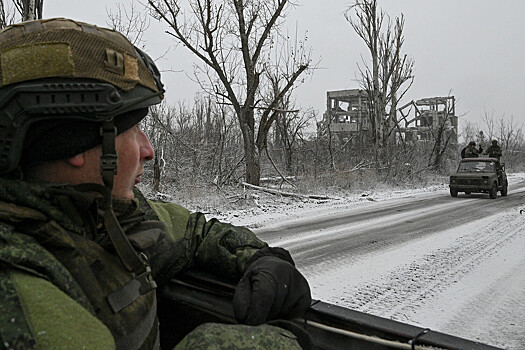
{"x":493,"y":191}
{"x":453,"y":192}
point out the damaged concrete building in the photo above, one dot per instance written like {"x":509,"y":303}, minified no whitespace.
{"x":347,"y":117}
{"x":424,"y":119}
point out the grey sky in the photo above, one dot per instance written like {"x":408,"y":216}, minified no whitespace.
{"x":474,"y":49}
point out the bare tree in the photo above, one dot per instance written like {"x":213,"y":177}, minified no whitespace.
{"x":490,"y":124}
{"x":30,"y":9}
{"x":130,"y":21}
{"x":198,"y":143}
{"x":507,"y":131}
{"x":291,"y":122}
{"x":289,"y":129}
{"x":470,"y":131}
{"x":510,"y":136}
{"x":233,"y":40}
{"x":442,"y":137}
{"x":388,"y":75}
{"x":7,"y":14}
{"x":19,"y":11}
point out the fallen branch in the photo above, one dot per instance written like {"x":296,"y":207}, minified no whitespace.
{"x":285,"y":194}
{"x":275,"y":167}
{"x":362,"y":165}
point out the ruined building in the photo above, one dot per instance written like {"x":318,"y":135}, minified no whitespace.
{"x":347,"y":118}
{"x":426,"y":118}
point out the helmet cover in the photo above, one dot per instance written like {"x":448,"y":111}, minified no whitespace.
{"x":66,"y":77}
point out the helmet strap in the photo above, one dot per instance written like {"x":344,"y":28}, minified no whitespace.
{"x":142,"y":281}
{"x":128,"y":256}
{"x":108,"y":158}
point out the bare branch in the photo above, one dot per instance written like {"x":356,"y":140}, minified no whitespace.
{"x":232,"y":39}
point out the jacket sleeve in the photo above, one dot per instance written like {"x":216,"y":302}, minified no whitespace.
{"x":210,"y":245}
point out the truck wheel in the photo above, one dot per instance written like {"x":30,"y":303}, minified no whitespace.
{"x":453,"y":192}
{"x":504,"y":190}
{"x":493,"y":191}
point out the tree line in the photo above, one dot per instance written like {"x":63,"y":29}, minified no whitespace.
{"x":244,"y":124}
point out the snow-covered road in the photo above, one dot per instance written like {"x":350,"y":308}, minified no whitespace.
{"x":467,"y":280}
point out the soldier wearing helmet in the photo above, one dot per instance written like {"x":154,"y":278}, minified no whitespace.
{"x":82,"y":252}
{"x":494,"y":150}
{"x":471,"y":151}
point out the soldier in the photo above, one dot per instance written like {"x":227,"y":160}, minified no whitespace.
{"x":471,"y":151}
{"x":81,"y":250}
{"x":494,"y":150}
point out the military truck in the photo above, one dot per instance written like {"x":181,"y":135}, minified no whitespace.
{"x":479,"y":175}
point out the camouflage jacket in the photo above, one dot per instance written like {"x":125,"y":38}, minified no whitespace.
{"x":494,"y":151}
{"x":57,"y":265}
{"x":471,"y":152}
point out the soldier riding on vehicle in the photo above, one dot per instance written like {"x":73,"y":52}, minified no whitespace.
{"x":82,"y":252}
{"x":494,"y":151}
{"x":471,"y":151}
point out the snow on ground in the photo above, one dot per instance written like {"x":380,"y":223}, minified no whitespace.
{"x":267,"y":215}
{"x":466,"y":281}
{"x":436,"y":281}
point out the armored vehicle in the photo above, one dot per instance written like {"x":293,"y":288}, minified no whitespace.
{"x":479,"y":175}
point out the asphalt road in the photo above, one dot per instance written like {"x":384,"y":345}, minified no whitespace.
{"x":376,"y":225}
{"x":450,"y":264}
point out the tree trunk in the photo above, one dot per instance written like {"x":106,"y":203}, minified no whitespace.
{"x":251,"y":150}
{"x":253,"y":163}
{"x":156,"y":174}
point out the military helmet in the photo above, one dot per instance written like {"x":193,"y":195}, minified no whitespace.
{"x":494,"y":142}
{"x":59,"y":74}
{"x":472,"y":143}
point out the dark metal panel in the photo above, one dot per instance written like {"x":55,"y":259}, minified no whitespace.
{"x":197,"y":298}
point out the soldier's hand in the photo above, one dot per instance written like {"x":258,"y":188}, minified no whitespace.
{"x":271,"y":288}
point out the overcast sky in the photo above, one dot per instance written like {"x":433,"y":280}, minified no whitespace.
{"x":472,"y":49}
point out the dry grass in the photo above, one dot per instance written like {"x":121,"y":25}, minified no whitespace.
{"x":208,"y":198}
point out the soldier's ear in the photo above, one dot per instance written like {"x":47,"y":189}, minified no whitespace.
{"x":78,"y":160}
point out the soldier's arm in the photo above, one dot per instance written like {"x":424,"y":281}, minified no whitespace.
{"x":233,"y":252}
{"x":210,"y":245}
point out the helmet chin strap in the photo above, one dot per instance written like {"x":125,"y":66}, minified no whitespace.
{"x":108,"y":159}
{"x":129,"y":257}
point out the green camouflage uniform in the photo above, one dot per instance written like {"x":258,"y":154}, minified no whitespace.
{"x":57,"y":268}
{"x":471,"y":152}
{"x":494,"y":151}
{"x":215,"y":336}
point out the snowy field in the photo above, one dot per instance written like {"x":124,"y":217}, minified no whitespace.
{"x":467,"y":281}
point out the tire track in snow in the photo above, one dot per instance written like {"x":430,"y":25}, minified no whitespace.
{"x":500,"y":280}
{"x":408,"y":286}
{"x":401,"y":282}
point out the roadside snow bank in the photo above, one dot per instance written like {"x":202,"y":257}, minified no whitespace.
{"x":268,"y":212}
